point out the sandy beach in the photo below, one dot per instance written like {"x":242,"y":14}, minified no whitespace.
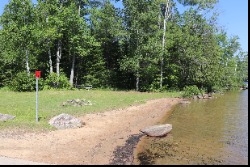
{"x":107,"y":138}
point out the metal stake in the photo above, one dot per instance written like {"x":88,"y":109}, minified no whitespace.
{"x":36,"y":99}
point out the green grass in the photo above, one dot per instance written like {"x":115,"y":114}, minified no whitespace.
{"x":23,"y":104}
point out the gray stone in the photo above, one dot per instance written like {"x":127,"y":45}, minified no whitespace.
{"x":5,"y":117}
{"x":199,"y":96}
{"x":185,"y":102}
{"x":157,"y":130}
{"x":65,"y":121}
{"x":77,"y":102}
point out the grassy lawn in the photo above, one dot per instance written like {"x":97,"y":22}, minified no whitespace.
{"x":23,"y":104}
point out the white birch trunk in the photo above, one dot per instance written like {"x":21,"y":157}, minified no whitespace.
{"x":72,"y":70}
{"x":49,"y":53}
{"x":58,"y":57}
{"x":137,"y":81}
{"x":27,"y":63}
{"x":50,"y":61}
{"x":166,"y":15}
{"x":79,"y":10}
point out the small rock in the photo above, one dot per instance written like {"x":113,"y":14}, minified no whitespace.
{"x":185,"y":102}
{"x":64,"y":121}
{"x":76,"y":102}
{"x":5,"y":117}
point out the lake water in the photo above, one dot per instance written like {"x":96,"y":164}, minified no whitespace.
{"x":208,"y":131}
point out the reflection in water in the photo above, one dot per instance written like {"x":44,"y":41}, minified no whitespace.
{"x":213,"y":131}
{"x":236,"y":129}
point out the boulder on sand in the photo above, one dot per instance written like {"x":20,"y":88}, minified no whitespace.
{"x":64,"y":121}
{"x":157,"y":130}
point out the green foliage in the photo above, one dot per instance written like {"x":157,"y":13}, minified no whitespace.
{"x":96,"y":79}
{"x":190,"y":91}
{"x":91,"y":80}
{"x":95,"y":43}
{"x":54,"y":82}
{"x":217,"y":89}
{"x":24,"y":83}
{"x":203,"y":4}
{"x":155,"y":86}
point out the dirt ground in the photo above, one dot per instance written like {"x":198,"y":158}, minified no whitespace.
{"x":105,"y":139}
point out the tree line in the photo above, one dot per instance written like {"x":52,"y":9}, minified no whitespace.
{"x":145,"y":45}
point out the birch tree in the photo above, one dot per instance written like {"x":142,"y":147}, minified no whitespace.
{"x":46,"y":27}
{"x":166,"y":10}
{"x":78,"y":36}
{"x":17,"y":23}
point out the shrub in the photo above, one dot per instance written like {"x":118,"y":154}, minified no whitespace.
{"x":55,"y":82}
{"x":217,"y":89}
{"x":24,"y":83}
{"x":190,"y":91}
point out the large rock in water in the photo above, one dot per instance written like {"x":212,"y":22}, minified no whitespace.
{"x":64,"y":121}
{"x":157,"y":130}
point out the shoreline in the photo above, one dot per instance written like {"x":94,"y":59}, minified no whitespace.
{"x":107,"y":138}
{"x":127,"y":154}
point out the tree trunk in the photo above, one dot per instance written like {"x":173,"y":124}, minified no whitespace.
{"x":166,"y":15}
{"x":163,"y":50}
{"x":72,"y":70}
{"x":79,"y":9}
{"x":49,"y":52}
{"x":138,"y":66}
{"x":27,"y":63}
{"x":58,"y":57}
{"x":50,"y":61}
{"x":137,"y":81}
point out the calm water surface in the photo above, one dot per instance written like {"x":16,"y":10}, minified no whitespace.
{"x":208,"y":131}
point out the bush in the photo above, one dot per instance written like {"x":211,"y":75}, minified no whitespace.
{"x":190,"y":91}
{"x":24,"y":83}
{"x":55,"y":82}
{"x":217,"y":89}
